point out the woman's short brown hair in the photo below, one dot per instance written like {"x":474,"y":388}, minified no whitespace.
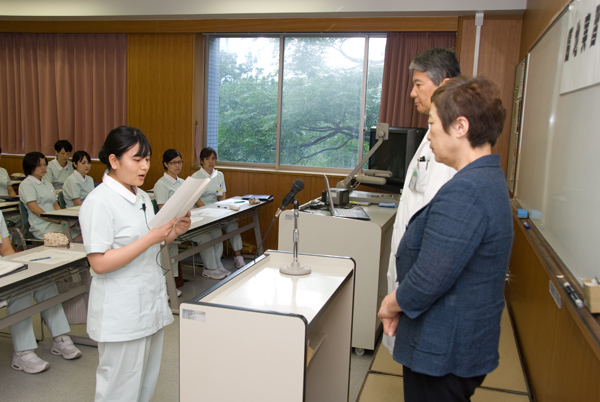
{"x":478,"y":100}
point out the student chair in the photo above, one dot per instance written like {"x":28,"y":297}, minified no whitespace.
{"x":61,"y":200}
{"x":28,"y":237}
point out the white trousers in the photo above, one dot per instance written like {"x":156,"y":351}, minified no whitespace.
{"x":22,"y":333}
{"x":128,"y":371}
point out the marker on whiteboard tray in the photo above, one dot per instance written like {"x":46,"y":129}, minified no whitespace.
{"x":573,"y":295}
{"x":526,"y":224}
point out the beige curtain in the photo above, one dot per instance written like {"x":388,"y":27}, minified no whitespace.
{"x":61,"y":86}
{"x":397,"y":107}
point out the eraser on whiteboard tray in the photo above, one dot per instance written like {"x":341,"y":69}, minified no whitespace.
{"x":535,"y":214}
{"x":522,"y":213}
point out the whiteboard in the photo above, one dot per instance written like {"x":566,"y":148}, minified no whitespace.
{"x":558,"y":171}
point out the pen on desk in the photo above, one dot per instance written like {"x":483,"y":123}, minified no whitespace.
{"x":39,"y":259}
{"x":239,"y":202}
{"x":573,"y":295}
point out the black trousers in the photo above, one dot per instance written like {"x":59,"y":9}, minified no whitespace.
{"x":449,"y":388}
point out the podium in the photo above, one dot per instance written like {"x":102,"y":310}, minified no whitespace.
{"x":260,"y":335}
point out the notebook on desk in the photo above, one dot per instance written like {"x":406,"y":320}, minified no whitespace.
{"x":354,"y":213}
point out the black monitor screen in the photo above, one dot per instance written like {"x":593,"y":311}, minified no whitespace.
{"x":395,"y":154}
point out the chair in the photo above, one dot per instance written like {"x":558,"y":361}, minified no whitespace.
{"x":28,"y":237}
{"x":61,"y":200}
{"x":155,"y":206}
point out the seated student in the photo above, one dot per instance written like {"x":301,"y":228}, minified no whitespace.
{"x":60,"y":168}
{"x":38,"y":196}
{"x":213,"y":268}
{"x":79,"y":184}
{"x":164,"y":188}
{"x":24,"y":343}
{"x":6,"y":187}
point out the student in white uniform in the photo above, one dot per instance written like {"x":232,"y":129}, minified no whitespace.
{"x":425,"y":176}
{"x":60,"y":168}
{"x":6,"y":187}
{"x":213,"y":267}
{"x":24,"y":343}
{"x":79,"y":184}
{"x":38,"y":195}
{"x":128,"y":307}
{"x":164,"y":188}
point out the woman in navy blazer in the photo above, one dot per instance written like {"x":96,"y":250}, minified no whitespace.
{"x":452,"y":260}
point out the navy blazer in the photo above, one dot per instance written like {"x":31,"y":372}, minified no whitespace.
{"x":451,"y":265}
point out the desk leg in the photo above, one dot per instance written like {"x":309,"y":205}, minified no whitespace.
{"x":257,"y":234}
{"x":67,"y":230}
{"x":171,"y":289}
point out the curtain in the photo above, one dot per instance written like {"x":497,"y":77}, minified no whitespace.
{"x":61,"y":86}
{"x":397,"y":107}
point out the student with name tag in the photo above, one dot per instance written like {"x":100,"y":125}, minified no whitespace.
{"x":24,"y":343}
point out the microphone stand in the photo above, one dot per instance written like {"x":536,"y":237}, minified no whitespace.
{"x":295,"y":268}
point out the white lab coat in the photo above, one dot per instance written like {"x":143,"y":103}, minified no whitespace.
{"x":77,"y":186}
{"x":431,"y":176}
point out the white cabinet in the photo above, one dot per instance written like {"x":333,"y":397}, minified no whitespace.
{"x":263,"y":336}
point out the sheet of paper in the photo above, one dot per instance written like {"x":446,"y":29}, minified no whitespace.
{"x":51,"y":256}
{"x":181,"y":201}
{"x":212,"y":212}
{"x":6,"y":267}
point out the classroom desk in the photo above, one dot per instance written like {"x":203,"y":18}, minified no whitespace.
{"x":213,"y":217}
{"x":367,"y":242}
{"x":67,"y":217}
{"x":39,"y":274}
{"x":9,"y":205}
{"x":288,"y":337}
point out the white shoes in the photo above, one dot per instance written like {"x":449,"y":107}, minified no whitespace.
{"x":239,"y":262}
{"x":213,"y":273}
{"x":29,"y":362}
{"x":62,"y":345}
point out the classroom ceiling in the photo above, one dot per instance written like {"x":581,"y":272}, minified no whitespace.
{"x":201,"y":9}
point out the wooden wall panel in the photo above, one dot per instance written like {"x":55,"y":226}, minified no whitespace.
{"x":498,"y":57}
{"x":559,"y":361}
{"x":536,"y":20}
{"x":160,"y":91}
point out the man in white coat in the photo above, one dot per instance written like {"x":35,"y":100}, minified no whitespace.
{"x":425,"y":176}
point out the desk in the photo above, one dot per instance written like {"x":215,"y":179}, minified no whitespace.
{"x":9,"y":206}
{"x":367,"y":242}
{"x":66,"y":216}
{"x":40,"y":274}
{"x":287,"y":336}
{"x":209,"y":222}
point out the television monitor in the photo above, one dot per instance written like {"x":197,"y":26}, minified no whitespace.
{"x":395,"y":154}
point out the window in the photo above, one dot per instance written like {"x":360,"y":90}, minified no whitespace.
{"x":321,"y":92}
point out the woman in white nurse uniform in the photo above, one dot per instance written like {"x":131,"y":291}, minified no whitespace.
{"x":79,"y":184}
{"x":164,"y":188}
{"x":38,"y":195}
{"x":213,"y":268}
{"x":128,"y":300}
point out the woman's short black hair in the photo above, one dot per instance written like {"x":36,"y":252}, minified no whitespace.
{"x":79,"y":155}
{"x":31,"y":160}
{"x":63,"y":144}
{"x":121,"y":140}
{"x":169,"y":155}
{"x":206,"y":153}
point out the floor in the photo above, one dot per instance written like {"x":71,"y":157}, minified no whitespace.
{"x":67,"y":381}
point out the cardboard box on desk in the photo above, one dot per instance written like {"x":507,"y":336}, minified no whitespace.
{"x":591,"y":294}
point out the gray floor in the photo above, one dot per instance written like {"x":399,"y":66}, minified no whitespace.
{"x":67,"y":381}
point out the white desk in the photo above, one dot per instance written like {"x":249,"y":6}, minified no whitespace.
{"x":367,"y":242}
{"x":247,"y":338}
{"x":213,"y":217}
{"x":39,"y":274}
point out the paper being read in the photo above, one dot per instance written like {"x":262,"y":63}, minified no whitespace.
{"x":182,"y":200}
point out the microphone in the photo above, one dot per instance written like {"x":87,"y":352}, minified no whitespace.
{"x":296,"y":188}
{"x":143,"y":207}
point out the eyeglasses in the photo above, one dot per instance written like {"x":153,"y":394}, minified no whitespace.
{"x":175,"y":163}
